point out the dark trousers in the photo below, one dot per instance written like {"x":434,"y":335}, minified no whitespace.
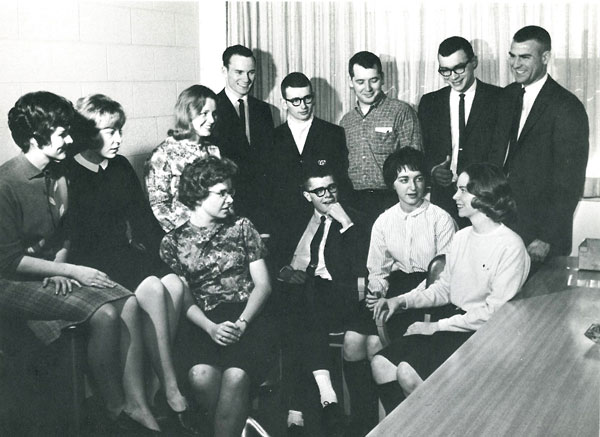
{"x":310,"y":312}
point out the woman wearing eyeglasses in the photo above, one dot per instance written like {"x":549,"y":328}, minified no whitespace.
{"x":404,"y":240}
{"x":195,"y":114}
{"x":229,"y":343}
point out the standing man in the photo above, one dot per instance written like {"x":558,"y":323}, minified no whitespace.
{"x":457,"y":121}
{"x":542,"y":141}
{"x":243,"y":129}
{"x":377,"y":126}
{"x":303,"y":141}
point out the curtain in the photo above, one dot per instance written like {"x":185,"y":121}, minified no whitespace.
{"x":317,"y":38}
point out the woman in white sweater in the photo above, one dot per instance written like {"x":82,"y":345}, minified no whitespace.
{"x":486,"y":266}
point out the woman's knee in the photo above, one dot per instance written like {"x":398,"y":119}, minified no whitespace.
{"x":150,"y":290}
{"x":235,"y":378}
{"x":406,"y":375}
{"x":383,"y":370}
{"x":174,"y":286}
{"x":373,"y":346}
{"x":202,"y":376}
{"x":355,"y":346}
{"x":106,"y":316}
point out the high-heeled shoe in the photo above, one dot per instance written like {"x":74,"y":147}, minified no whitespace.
{"x":183,"y":421}
{"x":124,"y":424}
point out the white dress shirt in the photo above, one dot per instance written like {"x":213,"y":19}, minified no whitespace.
{"x":236,"y":104}
{"x":454,"y":121}
{"x":531,"y":92}
{"x":299,"y":131}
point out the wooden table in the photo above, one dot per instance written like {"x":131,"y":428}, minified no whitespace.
{"x":529,"y":371}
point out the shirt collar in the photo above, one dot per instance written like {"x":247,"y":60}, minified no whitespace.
{"x":373,"y":106}
{"x":535,"y":87}
{"x":299,"y":124}
{"x":420,"y":210}
{"x":469,"y":92}
{"x":28,"y":170}
{"x":233,"y":98}
{"x":90,"y":165}
{"x":317,"y":216}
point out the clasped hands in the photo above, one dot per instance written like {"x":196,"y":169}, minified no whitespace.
{"x":227,"y":333}
{"x":385,"y":308}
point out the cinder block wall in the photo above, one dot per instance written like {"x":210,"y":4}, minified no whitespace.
{"x":141,"y":53}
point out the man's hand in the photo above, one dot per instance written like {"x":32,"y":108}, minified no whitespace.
{"x":422,"y":328}
{"x":291,"y":276}
{"x":441,"y":173}
{"x":538,"y":250}
{"x":337,"y":213}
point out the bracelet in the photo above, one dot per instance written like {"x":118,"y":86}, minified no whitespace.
{"x":241,"y":319}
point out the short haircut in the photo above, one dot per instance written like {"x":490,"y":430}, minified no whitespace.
{"x":365,"y":60}
{"x":454,"y":44}
{"x":493,"y":195}
{"x":101,"y":109}
{"x":189,"y":105}
{"x":315,"y":171}
{"x":404,"y":158}
{"x":294,"y":80}
{"x":202,"y":174}
{"x":536,"y":33}
{"x":37,"y":115}
{"x":237,"y":49}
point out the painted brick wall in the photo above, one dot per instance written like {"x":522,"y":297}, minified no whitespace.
{"x":140,"y":53}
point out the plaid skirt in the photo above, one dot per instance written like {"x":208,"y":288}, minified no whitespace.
{"x":47,"y":313}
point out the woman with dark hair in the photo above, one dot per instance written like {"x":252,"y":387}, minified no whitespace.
{"x":112,"y":228}
{"x":36,"y":282}
{"x":486,"y":266}
{"x":230,"y":342}
{"x":195,"y":114}
{"x":404,"y":240}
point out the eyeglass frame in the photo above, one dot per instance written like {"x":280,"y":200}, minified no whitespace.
{"x":224,"y":193}
{"x":458,"y":69}
{"x":304,"y":100}
{"x":331,"y":188}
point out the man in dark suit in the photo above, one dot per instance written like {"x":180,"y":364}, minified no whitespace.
{"x":243,"y":130}
{"x":457,"y":121}
{"x":319,"y":291}
{"x":303,"y":140}
{"x":542,"y":141}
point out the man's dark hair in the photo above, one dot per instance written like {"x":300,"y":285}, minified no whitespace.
{"x":315,"y":171}
{"x":404,"y":158}
{"x":237,"y":49}
{"x":37,"y":115}
{"x":493,"y":195}
{"x":294,"y":80}
{"x":365,"y":60}
{"x":454,"y":44}
{"x":536,"y":33}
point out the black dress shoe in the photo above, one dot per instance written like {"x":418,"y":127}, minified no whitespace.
{"x":125,"y":424}
{"x":333,"y":420}
{"x":295,"y":431}
{"x":184,"y":422}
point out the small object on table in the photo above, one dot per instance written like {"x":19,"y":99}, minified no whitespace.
{"x":593,"y":332}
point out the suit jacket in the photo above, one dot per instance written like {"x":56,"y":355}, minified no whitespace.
{"x":231,"y":138}
{"x":325,"y":145}
{"x":434,"y":116}
{"x":547,"y":169}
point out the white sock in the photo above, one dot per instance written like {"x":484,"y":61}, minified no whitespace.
{"x":326,"y":390}
{"x":295,"y":418}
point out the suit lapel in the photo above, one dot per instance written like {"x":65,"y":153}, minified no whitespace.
{"x":311,"y":137}
{"x":538,"y":108}
{"x":444,"y":113}
{"x":288,"y":141}
{"x":476,"y":109}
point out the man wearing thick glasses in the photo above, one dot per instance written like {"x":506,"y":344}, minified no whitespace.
{"x":319,"y":291}
{"x":303,"y":140}
{"x":457,"y":121}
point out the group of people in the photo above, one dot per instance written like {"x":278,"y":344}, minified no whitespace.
{"x":207,"y":288}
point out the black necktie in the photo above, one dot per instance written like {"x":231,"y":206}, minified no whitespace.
{"x":514,"y":130}
{"x":314,"y":248}
{"x":242,"y":114}
{"x":461,"y":118}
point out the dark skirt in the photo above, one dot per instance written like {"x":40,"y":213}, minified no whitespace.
{"x":425,"y":353}
{"x":48,"y":313}
{"x":254,"y":353}
{"x":400,"y":283}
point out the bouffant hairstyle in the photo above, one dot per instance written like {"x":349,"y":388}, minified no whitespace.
{"x":202,"y":174}
{"x":189,"y":105}
{"x":294,"y":80}
{"x":454,"y":44}
{"x":365,"y":60}
{"x":37,"y":115}
{"x":95,"y":112}
{"x":403,"y":158}
{"x":493,"y":195}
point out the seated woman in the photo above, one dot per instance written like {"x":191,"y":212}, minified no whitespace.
{"x":404,"y":239}
{"x":112,"y":228}
{"x":195,"y":113}
{"x":486,"y":266}
{"x":231,"y":343}
{"x":36,"y":282}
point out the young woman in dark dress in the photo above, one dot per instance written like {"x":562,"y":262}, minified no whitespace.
{"x":230,"y":346}
{"x":112,"y":228}
{"x":36,"y":282}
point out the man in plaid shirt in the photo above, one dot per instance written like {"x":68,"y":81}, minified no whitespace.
{"x":377,"y":126}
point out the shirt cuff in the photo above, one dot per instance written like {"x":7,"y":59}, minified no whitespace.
{"x":346,"y":228}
